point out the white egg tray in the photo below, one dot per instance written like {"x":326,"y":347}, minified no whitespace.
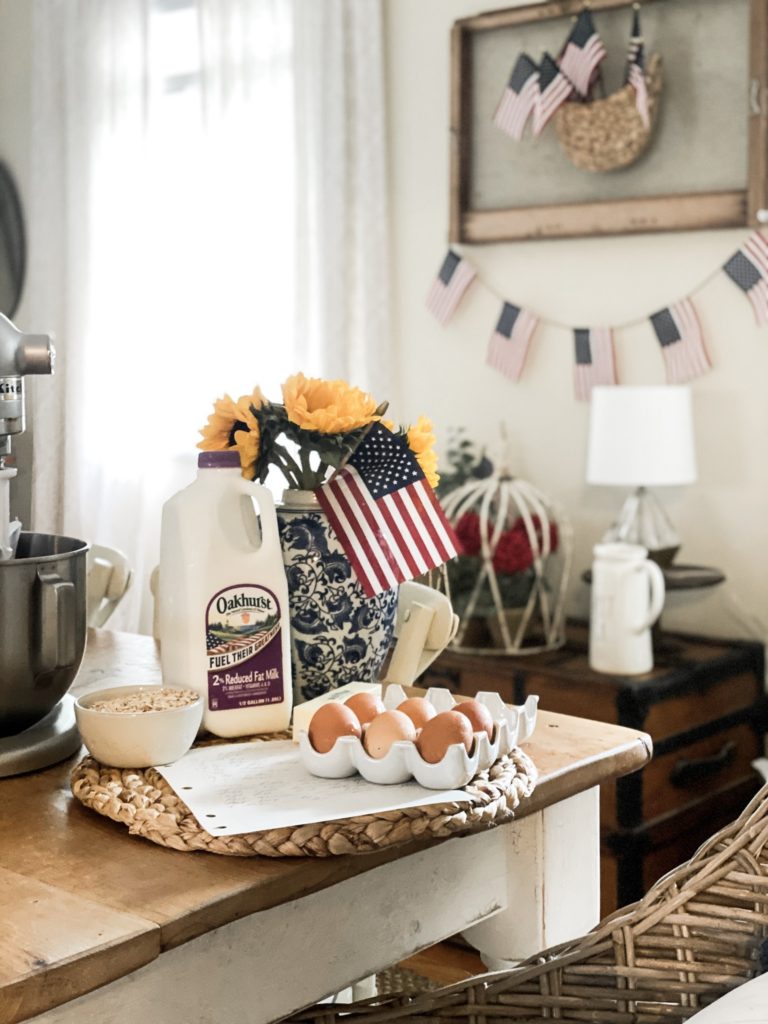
{"x":513,"y":726}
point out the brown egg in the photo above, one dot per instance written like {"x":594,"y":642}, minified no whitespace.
{"x":328,"y":723}
{"x":441,"y":732}
{"x":418,"y":709}
{"x":479,"y":716}
{"x":386,"y":729}
{"x":365,"y":705}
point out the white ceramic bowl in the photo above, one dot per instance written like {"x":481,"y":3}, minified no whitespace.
{"x":140,"y":739}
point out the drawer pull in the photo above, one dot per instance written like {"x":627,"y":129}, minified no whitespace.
{"x":688,"y":773}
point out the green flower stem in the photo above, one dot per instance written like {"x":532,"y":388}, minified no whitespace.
{"x":287,"y":467}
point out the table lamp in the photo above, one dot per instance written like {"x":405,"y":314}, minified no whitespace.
{"x":642,"y":437}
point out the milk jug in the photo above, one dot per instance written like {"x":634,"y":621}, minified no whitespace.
{"x":223,"y":600}
{"x":627,"y":598}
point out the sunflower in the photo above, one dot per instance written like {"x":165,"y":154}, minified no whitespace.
{"x":234,"y":425}
{"x":421,"y":441}
{"x":326,"y":406}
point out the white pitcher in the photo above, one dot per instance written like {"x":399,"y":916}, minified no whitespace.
{"x":627,"y":598}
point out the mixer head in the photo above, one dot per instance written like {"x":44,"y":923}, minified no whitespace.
{"x":20,"y":354}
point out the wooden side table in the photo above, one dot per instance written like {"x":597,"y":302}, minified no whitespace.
{"x":705,"y":708}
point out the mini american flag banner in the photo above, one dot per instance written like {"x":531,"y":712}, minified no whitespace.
{"x":636,"y":69}
{"x":385,"y":515}
{"x":508,"y":346}
{"x":582,"y":53}
{"x":594,"y":360}
{"x":748,"y":268}
{"x":452,"y":281}
{"x":682,"y":343}
{"x":554,"y":90}
{"x":519,"y":98}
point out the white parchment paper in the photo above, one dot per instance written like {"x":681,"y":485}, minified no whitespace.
{"x":234,"y":788}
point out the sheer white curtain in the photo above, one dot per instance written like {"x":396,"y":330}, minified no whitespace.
{"x":203,"y":217}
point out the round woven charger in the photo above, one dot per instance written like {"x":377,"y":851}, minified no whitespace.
{"x":141,"y":799}
{"x":607,"y":134}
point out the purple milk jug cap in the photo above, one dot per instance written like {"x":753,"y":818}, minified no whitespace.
{"x":229,"y":459}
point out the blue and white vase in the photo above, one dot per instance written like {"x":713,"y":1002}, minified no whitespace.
{"x":338,"y":635}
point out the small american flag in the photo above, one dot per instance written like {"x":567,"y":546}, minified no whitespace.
{"x":582,"y":53}
{"x":594,"y":360}
{"x":453,"y":279}
{"x":385,"y":515}
{"x":636,"y":69}
{"x":554,"y":90}
{"x":682,"y":343}
{"x":748,"y":268}
{"x":518,"y":99}
{"x":508,"y":346}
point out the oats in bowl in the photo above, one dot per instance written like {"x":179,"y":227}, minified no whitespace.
{"x":161,"y":699}
{"x":139,"y":726}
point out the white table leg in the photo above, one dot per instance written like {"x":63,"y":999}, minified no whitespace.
{"x":553,"y":860}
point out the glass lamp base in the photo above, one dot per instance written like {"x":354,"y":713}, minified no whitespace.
{"x":643,"y":521}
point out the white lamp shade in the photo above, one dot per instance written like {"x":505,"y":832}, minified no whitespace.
{"x":641,"y":437}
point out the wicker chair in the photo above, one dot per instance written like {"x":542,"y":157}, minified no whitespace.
{"x":698,"y":933}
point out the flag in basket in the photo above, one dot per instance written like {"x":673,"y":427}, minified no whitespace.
{"x":595,"y":363}
{"x":582,"y":53}
{"x":509,"y":343}
{"x":636,"y":70}
{"x":748,"y":268}
{"x":682,"y":343}
{"x":554,"y":90}
{"x":453,"y":279}
{"x":519,"y":98}
{"x":386,"y":516}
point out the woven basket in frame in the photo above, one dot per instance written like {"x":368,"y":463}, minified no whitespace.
{"x":142,"y":800}
{"x":697,"y":934}
{"x":607,"y":134}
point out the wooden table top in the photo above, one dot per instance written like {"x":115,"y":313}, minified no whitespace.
{"x":83,"y":903}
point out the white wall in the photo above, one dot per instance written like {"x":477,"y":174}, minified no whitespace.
{"x":722,"y":518}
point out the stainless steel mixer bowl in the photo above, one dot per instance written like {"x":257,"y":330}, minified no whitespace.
{"x":42,"y":626}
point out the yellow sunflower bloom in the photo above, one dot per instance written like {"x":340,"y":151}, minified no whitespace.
{"x":328,"y":406}
{"x":224,"y":429}
{"x":421,"y":441}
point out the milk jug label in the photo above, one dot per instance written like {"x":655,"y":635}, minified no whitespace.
{"x":244,"y":648}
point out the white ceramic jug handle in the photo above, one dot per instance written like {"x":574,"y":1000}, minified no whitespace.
{"x":658,"y":590}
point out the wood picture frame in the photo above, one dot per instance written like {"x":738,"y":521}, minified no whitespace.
{"x":742,"y":202}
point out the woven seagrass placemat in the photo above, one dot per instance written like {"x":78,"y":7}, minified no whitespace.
{"x":141,"y":799}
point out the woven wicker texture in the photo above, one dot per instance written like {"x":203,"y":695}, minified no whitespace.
{"x":604,"y":135}
{"x":143,"y":800}
{"x":696,"y":935}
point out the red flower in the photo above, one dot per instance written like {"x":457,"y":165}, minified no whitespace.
{"x":513,"y":552}
{"x":467,"y":531}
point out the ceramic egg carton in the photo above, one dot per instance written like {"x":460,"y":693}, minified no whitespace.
{"x":512,"y":726}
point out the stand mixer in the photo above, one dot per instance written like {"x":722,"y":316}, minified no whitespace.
{"x":42,"y":594}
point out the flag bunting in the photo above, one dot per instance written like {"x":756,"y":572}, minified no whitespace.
{"x":594,"y":360}
{"x":509,"y":343}
{"x":385,"y":515}
{"x":748,"y":268}
{"x":682,"y":343}
{"x":448,"y":288}
{"x":519,"y":98}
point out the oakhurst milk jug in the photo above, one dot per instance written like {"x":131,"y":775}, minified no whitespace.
{"x":223,"y":600}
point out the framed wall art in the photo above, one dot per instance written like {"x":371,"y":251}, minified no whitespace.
{"x":704,"y":163}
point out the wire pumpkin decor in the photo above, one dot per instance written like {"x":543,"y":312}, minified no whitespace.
{"x":503,"y":503}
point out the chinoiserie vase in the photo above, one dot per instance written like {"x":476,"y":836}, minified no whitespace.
{"x":338,"y":635}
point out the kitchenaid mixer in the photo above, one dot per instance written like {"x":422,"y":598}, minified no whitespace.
{"x":42,"y":594}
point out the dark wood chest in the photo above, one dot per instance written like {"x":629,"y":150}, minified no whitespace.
{"x":703,"y":704}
